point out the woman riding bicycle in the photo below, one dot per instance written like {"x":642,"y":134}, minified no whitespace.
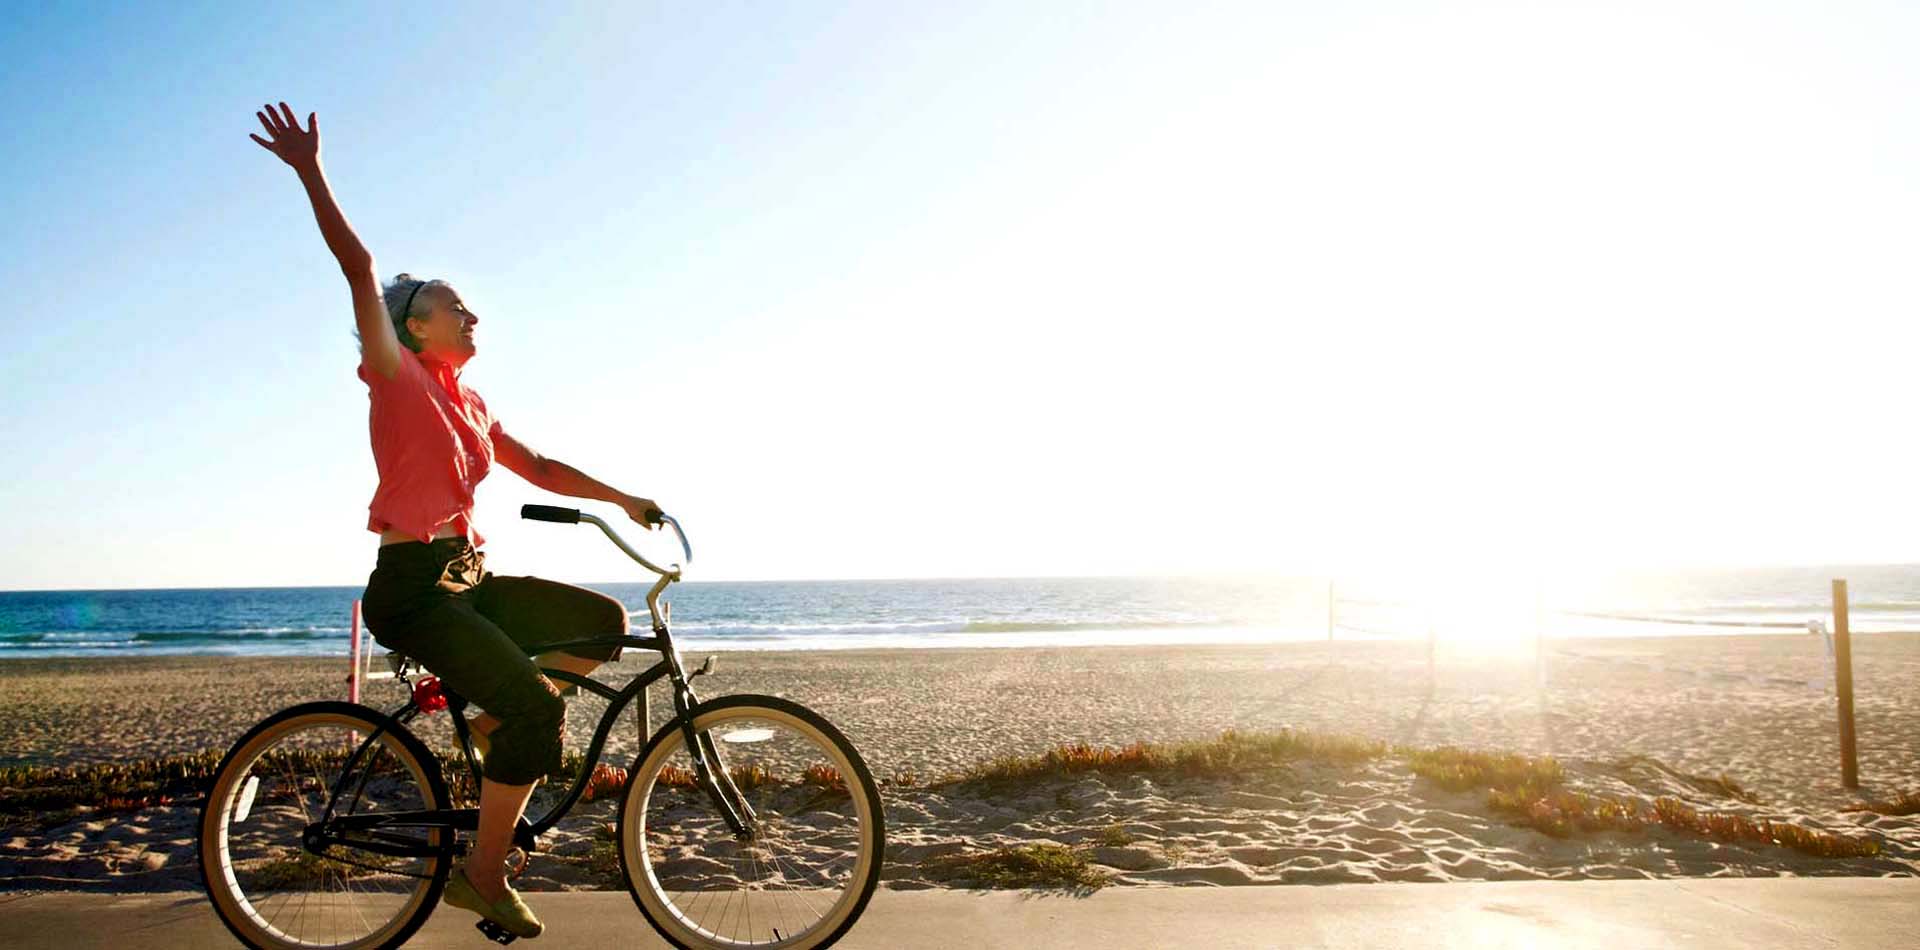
{"x":430,"y":596}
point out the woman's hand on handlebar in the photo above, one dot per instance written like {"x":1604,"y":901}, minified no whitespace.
{"x":298,"y":148}
{"x":642,"y":510}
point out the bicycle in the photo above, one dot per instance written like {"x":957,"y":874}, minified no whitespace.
{"x":745,"y":819}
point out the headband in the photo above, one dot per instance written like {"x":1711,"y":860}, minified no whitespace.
{"x":408,"y":306}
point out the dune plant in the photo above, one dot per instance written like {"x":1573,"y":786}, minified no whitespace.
{"x":1232,"y":753}
{"x":1043,"y":865}
{"x":141,"y":783}
{"x":825,"y":777}
{"x":1905,"y":803}
{"x":1464,"y":770}
{"x":1527,"y":791}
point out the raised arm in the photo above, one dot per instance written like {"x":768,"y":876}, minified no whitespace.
{"x":300,"y":149}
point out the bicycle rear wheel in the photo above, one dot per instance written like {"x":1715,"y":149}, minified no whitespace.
{"x":273,"y":890}
{"x":812,"y":860}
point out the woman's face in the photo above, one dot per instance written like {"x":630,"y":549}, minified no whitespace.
{"x":446,"y":332}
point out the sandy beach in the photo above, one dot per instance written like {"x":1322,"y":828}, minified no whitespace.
{"x":1627,"y":718}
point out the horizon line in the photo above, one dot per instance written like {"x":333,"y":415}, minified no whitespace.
{"x":1276,"y":574}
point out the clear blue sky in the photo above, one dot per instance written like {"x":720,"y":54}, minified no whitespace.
{"x":981,"y":289}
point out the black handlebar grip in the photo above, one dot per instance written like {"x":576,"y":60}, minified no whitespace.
{"x":552,"y":513}
{"x":653,"y":516}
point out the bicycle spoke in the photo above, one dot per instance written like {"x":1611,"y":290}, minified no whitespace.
{"x":809,"y":862}
{"x":266,"y":884}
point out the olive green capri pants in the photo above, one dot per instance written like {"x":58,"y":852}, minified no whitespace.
{"x":436,"y":603}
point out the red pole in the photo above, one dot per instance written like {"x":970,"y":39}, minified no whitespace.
{"x":353,"y":678}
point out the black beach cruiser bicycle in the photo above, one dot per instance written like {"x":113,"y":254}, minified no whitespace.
{"x":744,"y":820}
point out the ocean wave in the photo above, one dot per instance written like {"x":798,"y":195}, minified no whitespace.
{"x":277,"y":633}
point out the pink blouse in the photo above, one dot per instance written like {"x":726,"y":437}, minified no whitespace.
{"x":432,"y":443}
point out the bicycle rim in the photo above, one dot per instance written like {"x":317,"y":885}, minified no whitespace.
{"x":814,"y":858}
{"x":272,"y":891}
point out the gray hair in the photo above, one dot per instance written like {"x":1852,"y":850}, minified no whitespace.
{"x":402,"y":297}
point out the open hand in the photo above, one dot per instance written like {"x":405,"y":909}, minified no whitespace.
{"x":293,"y":146}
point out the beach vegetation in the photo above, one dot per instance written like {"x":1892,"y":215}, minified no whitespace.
{"x":296,"y":869}
{"x":108,"y":786}
{"x":603,"y":858}
{"x":1114,"y":836}
{"x":1044,"y":865}
{"x":1233,"y":753}
{"x":825,"y":777}
{"x":1905,"y":803}
{"x":749,"y":777}
{"x":1465,"y":770}
{"x":607,"y":781}
{"x":1527,"y":790}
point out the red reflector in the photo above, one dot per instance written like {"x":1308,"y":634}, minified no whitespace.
{"x":427,"y":695}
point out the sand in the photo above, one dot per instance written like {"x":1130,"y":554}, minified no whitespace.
{"x":1638,"y":718}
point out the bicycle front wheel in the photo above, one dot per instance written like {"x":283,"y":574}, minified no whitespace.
{"x":811,"y":859}
{"x":277,"y":876}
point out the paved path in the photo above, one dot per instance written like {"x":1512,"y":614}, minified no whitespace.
{"x":1616,"y":915}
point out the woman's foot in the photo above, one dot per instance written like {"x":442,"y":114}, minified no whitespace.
{"x":498,"y":903}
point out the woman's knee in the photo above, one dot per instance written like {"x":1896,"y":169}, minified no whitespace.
{"x":610,"y":617}
{"x":527,"y":744}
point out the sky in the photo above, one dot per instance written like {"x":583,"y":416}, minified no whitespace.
{"x":984,"y":289}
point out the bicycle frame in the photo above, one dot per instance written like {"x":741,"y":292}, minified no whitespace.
{"x":709,"y":766}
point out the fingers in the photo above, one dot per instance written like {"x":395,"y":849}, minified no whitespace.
{"x":313,"y":124}
{"x":271,"y":131}
{"x":289,"y":114}
{"x":263,"y":142}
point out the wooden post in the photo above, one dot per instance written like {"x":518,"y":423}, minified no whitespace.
{"x":353,"y":678}
{"x":1843,"y":685}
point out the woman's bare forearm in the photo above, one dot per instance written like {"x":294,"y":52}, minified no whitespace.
{"x":563,"y":479}
{"x":354,"y":258}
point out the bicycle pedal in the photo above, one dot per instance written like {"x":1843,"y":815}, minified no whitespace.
{"x":495,"y":932}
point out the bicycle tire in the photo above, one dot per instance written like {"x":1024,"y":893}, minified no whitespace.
{"x":251,"y":780}
{"x":758,"y":721}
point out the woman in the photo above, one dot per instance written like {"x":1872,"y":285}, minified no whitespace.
{"x":430,"y":596}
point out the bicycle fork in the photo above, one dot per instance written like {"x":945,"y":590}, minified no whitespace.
{"x":709,"y":767}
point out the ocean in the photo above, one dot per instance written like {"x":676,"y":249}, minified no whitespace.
{"x":790,"y":615}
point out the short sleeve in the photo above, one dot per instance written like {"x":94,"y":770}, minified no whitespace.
{"x":409,"y":366}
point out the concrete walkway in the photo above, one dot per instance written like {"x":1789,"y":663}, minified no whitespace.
{"x":1615,"y":915}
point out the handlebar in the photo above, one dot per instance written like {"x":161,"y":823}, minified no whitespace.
{"x":560,"y":515}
